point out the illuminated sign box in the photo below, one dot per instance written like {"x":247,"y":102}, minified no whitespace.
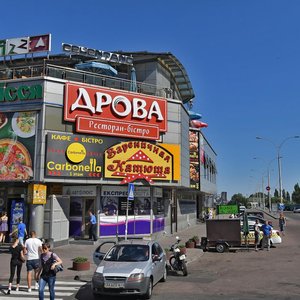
{"x":37,"y":193}
{"x":113,"y":112}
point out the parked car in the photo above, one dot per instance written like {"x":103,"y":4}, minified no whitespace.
{"x":296,"y":210}
{"x":130,"y":268}
{"x":101,"y":250}
{"x":275,"y":237}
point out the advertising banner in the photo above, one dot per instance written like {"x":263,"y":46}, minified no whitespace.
{"x":112,"y":112}
{"x":25,"y":45}
{"x":17,"y":145}
{"x":194,"y":159}
{"x":16,"y":213}
{"x":80,"y":156}
{"x":135,"y":160}
{"x":37,"y":193}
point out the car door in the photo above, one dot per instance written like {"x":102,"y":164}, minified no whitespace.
{"x":158,"y":265}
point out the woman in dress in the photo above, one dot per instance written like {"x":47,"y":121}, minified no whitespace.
{"x":3,"y":226}
{"x":16,"y":262}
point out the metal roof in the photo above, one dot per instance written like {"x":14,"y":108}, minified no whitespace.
{"x":177,"y":70}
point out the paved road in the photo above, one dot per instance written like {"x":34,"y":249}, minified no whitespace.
{"x":242,"y":275}
{"x":63,"y":290}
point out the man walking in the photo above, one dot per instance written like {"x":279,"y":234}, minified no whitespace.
{"x":21,"y":231}
{"x":256,"y":234}
{"x":267,"y":232}
{"x":93,"y":226}
{"x":33,"y":248}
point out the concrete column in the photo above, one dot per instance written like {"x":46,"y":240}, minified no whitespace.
{"x":37,"y":219}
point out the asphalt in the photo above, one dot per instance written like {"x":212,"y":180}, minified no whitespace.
{"x":86,"y":248}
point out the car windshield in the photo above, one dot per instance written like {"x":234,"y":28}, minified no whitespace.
{"x":128,"y":253}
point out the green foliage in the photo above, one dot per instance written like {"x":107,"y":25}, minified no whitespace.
{"x":296,"y":194}
{"x":180,"y":246}
{"x":238,"y":199}
{"x":195,"y":238}
{"x":80,"y":259}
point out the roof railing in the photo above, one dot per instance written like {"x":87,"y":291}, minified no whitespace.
{"x":84,"y":77}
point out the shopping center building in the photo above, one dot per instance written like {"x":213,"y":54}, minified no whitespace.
{"x":111,"y":132}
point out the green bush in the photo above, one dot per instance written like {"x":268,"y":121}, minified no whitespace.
{"x":80,"y":259}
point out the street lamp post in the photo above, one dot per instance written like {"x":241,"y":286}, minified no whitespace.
{"x":278,"y":147}
{"x":268,"y":186}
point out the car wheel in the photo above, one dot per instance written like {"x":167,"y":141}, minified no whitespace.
{"x":164,"y":278}
{"x":220,"y":248}
{"x":148,"y":294}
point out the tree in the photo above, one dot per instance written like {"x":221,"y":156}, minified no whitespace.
{"x":238,"y":199}
{"x":296,"y":194}
{"x":283,"y":194}
{"x":288,"y":197}
{"x":276,"y":194}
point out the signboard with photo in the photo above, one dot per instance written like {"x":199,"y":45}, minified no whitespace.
{"x":194,"y":159}
{"x":17,"y":145}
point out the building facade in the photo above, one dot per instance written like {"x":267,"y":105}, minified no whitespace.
{"x":108,"y":134}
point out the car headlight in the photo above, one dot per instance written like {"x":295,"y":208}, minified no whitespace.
{"x":136,"y":277}
{"x":98,"y":277}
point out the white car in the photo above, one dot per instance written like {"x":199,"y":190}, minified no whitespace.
{"x":296,"y":210}
{"x":275,"y":237}
{"x":130,"y":268}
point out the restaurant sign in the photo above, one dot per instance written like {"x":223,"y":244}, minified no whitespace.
{"x":73,"y":156}
{"x":135,"y":160}
{"x":113,"y":112}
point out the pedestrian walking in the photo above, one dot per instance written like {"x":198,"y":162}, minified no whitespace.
{"x":282,"y":223}
{"x":256,"y":234}
{"x":267,"y":232}
{"x":21,"y":231}
{"x":16,"y":262}
{"x":3,"y":226}
{"x":33,"y":248}
{"x":49,"y":260}
{"x":92,"y":226}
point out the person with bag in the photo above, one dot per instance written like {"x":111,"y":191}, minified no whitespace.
{"x":3,"y":226}
{"x":49,"y":263}
{"x":16,"y":262}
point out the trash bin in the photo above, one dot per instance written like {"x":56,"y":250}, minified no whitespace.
{"x":203,"y":242}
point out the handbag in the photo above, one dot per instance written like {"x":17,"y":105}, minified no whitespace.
{"x":22,"y":257}
{"x":58,"y":268}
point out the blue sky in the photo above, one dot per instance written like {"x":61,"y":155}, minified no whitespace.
{"x":242,"y":57}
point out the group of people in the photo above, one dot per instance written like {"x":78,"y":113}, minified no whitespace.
{"x":39,"y":259}
{"x":266,"y":229}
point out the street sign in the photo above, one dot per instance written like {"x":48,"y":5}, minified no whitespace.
{"x":268,"y":188}
{"x":281,"y":206}
{"x":131,"y":191}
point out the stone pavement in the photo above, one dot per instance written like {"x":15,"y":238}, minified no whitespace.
{"x":68,"y":252}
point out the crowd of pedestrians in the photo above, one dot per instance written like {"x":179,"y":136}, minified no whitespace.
{"x":41,"y":263}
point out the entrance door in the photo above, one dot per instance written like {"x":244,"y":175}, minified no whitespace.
{"x":88,"y":204}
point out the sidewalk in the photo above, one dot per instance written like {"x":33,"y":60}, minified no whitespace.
{"x":68,"y":252}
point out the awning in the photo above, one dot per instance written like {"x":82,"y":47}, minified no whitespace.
{"x":98,"y":68}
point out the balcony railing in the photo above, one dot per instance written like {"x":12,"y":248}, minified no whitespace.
{"x":84,"y":77}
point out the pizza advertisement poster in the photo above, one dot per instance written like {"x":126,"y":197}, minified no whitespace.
{"x":17,"y":145}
